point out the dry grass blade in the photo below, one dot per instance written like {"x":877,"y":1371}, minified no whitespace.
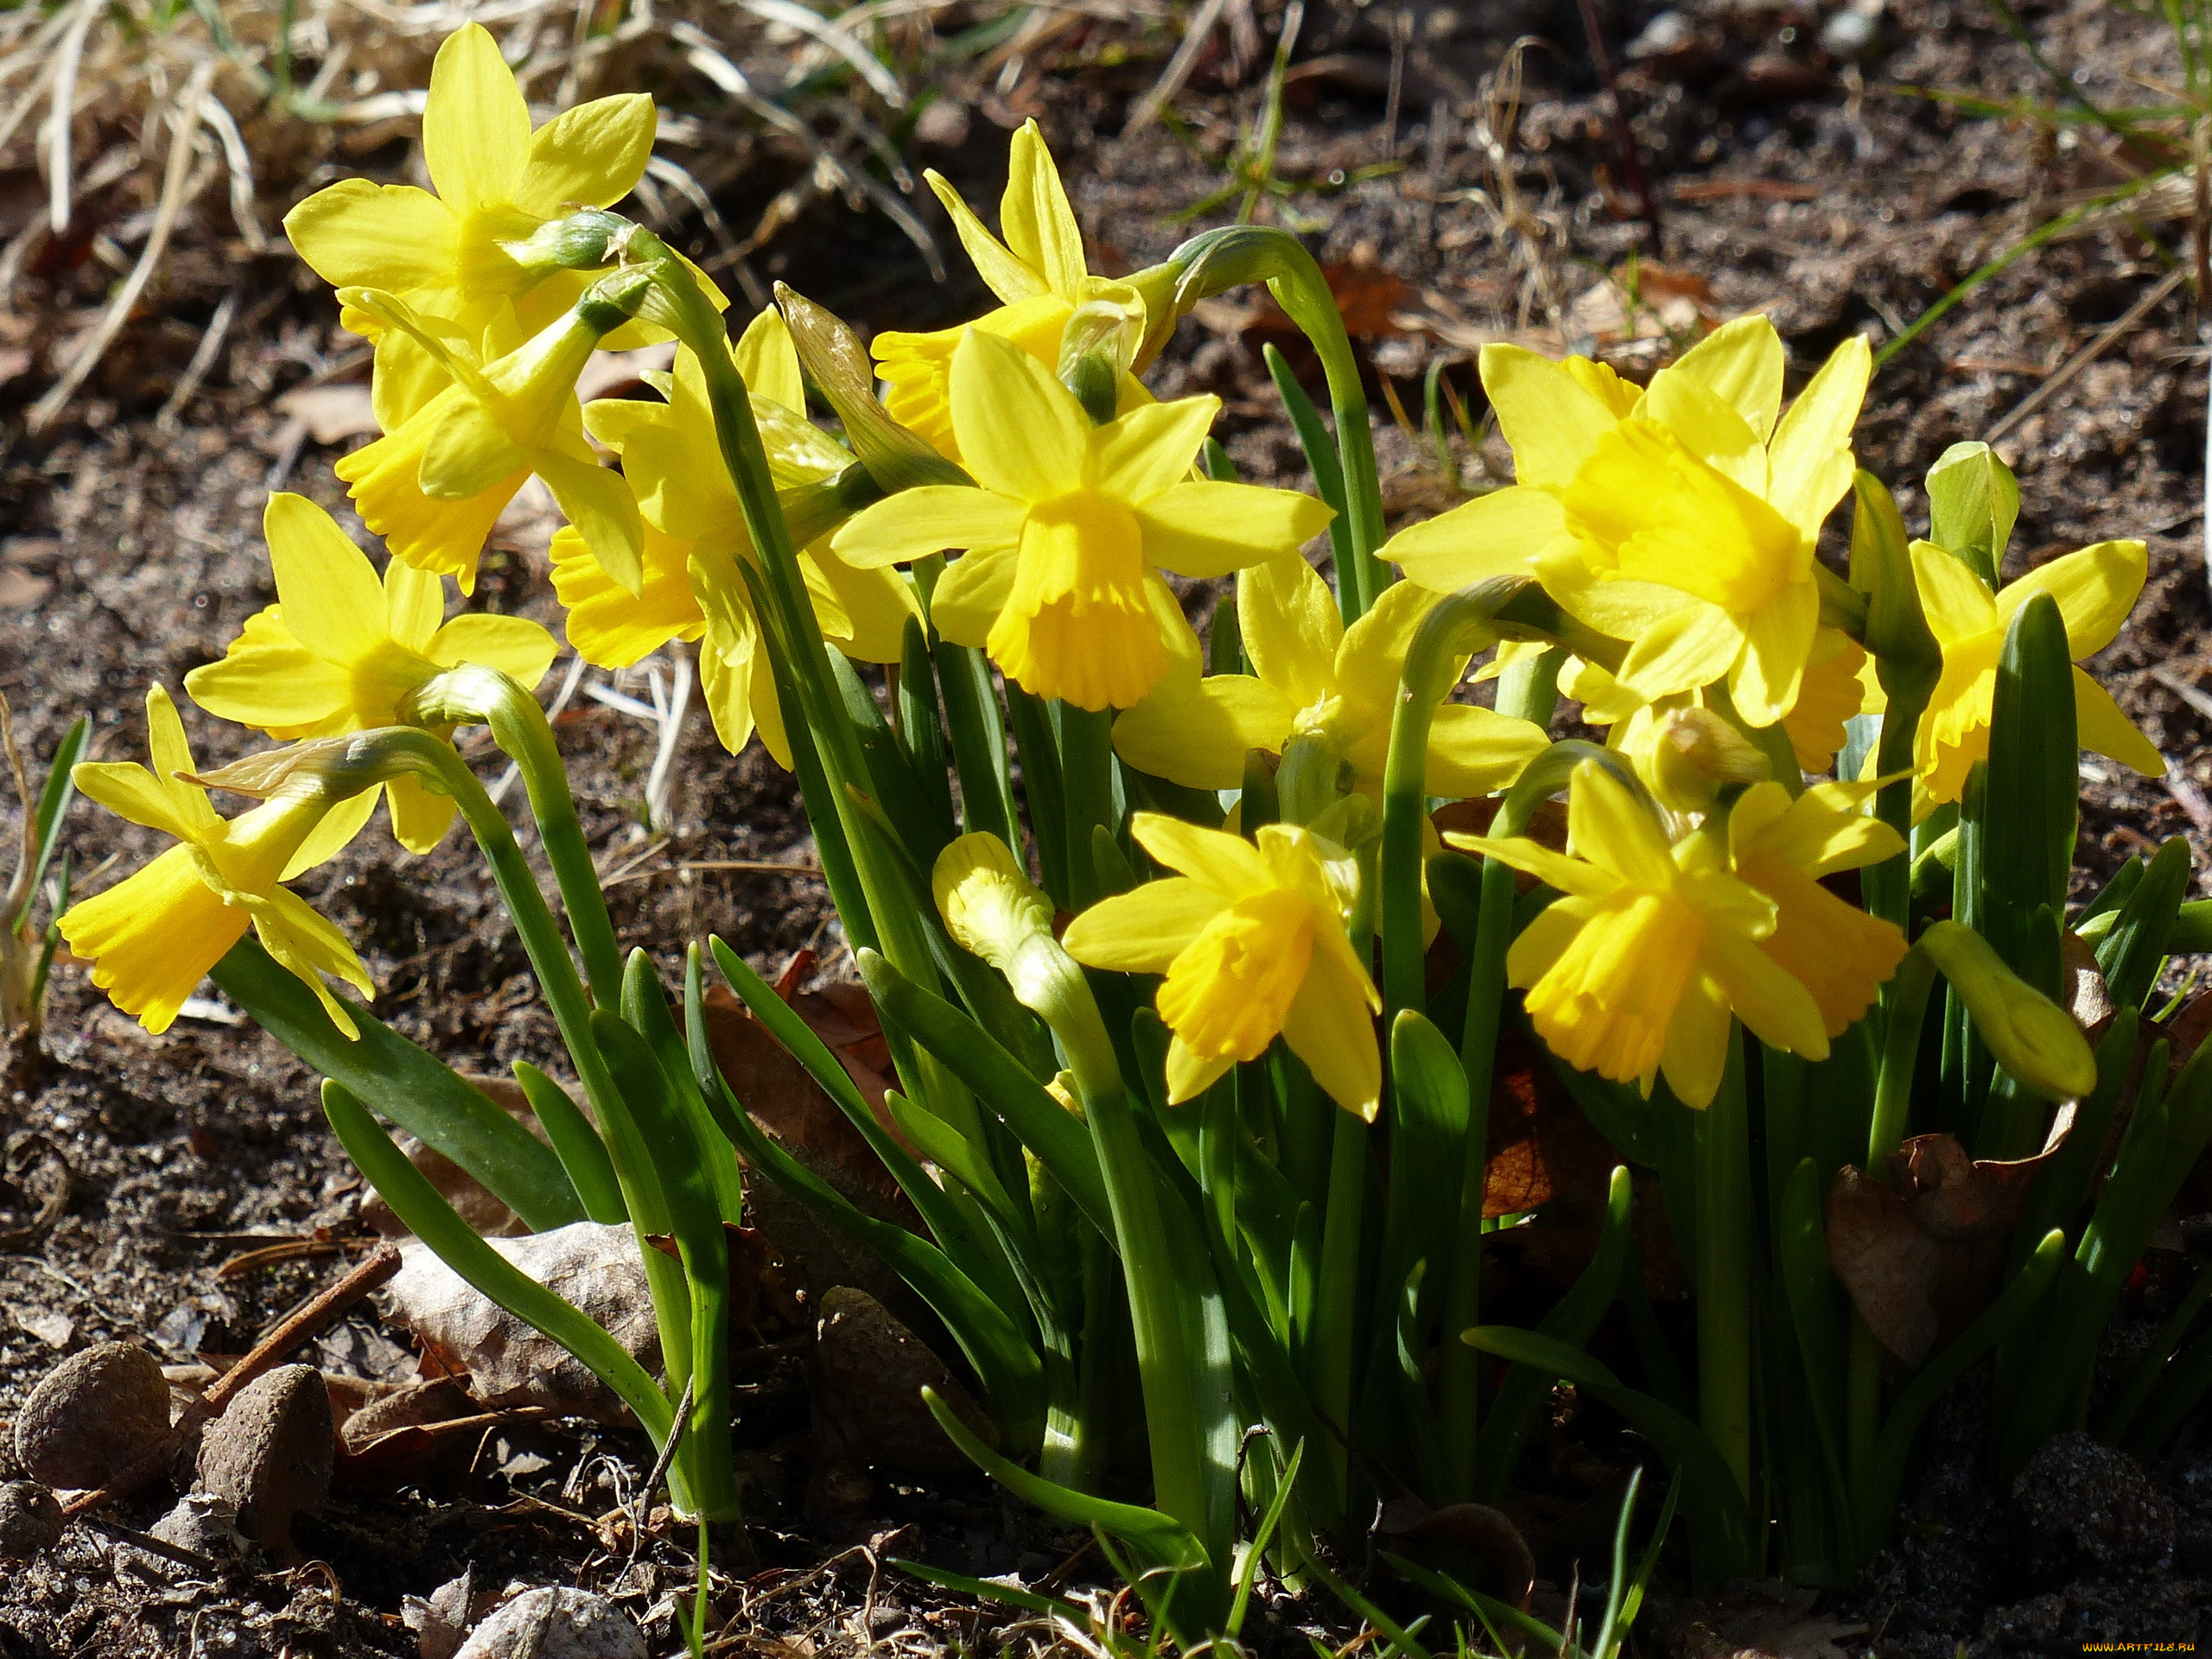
{"x":2089,"y":355}
{"x":62,"y":118}
{"x":1179,"y":67}
{"x":184,"y":128}
{"x":833,"y":33}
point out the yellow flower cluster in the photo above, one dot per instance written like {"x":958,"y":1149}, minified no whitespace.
{"x":1676,"y":524}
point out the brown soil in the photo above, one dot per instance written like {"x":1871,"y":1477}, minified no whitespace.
{"x":129,"y":551}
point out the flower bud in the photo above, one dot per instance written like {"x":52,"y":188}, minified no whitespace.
{"x":994,"y":910}
{"x":2032,"y":1036}
{"x":1693,"y":754}
{"x":586,"y":240}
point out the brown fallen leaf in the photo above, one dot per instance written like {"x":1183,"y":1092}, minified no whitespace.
{"x":1921,"y":1259}
{"x":1488,"y":1534}
{"x":750,"y":1262}
{"x":2087,"y":997}
{"x":779,"y":1094}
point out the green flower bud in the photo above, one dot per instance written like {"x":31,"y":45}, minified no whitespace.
{"x":2032,"y":1036}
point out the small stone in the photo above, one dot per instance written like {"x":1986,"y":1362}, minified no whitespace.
{"x":269,"y":1455}
{"x":2078,"y":1499}
{"x":96,"y":1415}
{"x":207,"y":1525}
{"x":555,"y":1624}
{"x":30,"y":1520}
{"x":440,"y":1623}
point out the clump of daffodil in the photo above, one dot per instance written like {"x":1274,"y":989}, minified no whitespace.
{"x":1252,"y":941}
{"x":694,"y":536}
{"x":1037,"y":273}
{"x":1318,"y":680}
{"x":480,"y":242}
{"x":1636,"y":971}
{"x":340,"y":651}
{"x":463,"y":436}
{"x":1682,"y":519}
{"x":2095,"y":588}
{"x":1073,"y":523}
{"x":152,"y":938}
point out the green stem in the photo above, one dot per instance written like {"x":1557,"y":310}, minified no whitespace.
{"x":1726,"y":1244}
{"x":1087,"y":787}
{"x":1337,"y":1299}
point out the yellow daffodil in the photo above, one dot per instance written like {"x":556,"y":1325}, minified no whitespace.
{"x":1636,"y":971}
{"x":1073,"y":524}
{"x":2095,"y":588}
{"x":1316,"y":679}
{"x":153,"y":936}
{"x":1252,"y":941}
{"x":340,"y":651}
{"x":1037,"y":273}
{"x":1681,"y":519}
{"x":1783,"y":848}
{"x":460,"y":439}
{"x":695,"y":534}
{"x":462,"y":252}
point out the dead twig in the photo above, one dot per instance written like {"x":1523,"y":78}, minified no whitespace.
{"x":1632,"y":171}
{"x":2111,"y":336}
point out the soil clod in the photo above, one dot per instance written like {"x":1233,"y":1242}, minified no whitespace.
{"x":30,"y":1520}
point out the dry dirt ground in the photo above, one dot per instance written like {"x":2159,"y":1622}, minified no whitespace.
{"x":1783,"y":175}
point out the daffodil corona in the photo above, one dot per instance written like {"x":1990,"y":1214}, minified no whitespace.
{"x":152,"y":938}
{"x":1065,"y":540}
{"x":340,"y":651}
{"x":1252,"y":941}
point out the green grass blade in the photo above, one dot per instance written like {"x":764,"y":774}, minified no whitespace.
{"x":2132,"y":952}
{"x":54,"y":802}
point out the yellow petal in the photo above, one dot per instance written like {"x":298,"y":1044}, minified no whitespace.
{"x":1143,"y":931}
{"x":1775,"y":1008}
{"x":1833,"y":690}
{"x":1606,"y":1002}
{"x":1710,"y":427}
{"x":1810,"y":457}
{"x":1039,"y":225}
{"x":1474,"y":752}
{"x":354,"y":233}
{"x":590,"y":157}
{"x":475,"y":125}
{"x":309,"y":946}
{"x":152,"y":936}
{"x":1330,"y":1026}
{"x":167,"y":747}
{"x":281,"y":688}
{"x":332,"y":602}
{"x":1695,"y":1057}
{"x":1199,"y":737}
{"x":2095,"y":589}
{"x":607,"y":625}
{"x":333,"y":835}
{"x":1292,"y":628}
{"x":1229,"y":865}
{"x":132,"y":792}
{"x":516,"y":646}
{"x":1002,"y":273}
{"x":1190,"y":1074}
{"x":972,"y":592}
{"x":1693,"y":647}
{"x":1371,"y":662}
{"x":929,"y":519}
{"x":1741,"y":364}
{"x":1778,"y":644}
{"x":2102,"y":727}
{"x":1022,"y":432}
{"x":1151,"y":450}
{"x":769,"y":361}
{"x":1494,"y":534}
{"x":1608,"y":826}
{"x":1208,"y":528}
{"x":876,"y":606}
{"x":1555,"y":869}
{"x":600,"y":505}
{"x":413,"y":604}
{"x":443,"y":537}
{"x":1550,"y":418}
{"x":1624,"y":609}
{"x":1957,"y":603}
{"x":1821,"y":832}
{"x":1839,"y":953}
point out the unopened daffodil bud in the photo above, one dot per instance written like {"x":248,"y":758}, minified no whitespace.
{"x":589,"y":239}
{"x":1693,"y":754}
{"x":994,"y":910}
{"x":2030,"y":1036}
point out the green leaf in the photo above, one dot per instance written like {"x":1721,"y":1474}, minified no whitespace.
{"x":1973,"y":503}
{"x":582,"y":1153}
{"x":920,"y":736}
{"x":645,"y":1007}
{"x":53,"y":806}
{"x":431,"y":1219}
{"x":1192,"y":1602}
{"x":1430,"y":1123}
{"x":1320,"y":457}
{"x":2029,"y":807}
{"x":2132,"y":952}
{"x":421,"y":1094}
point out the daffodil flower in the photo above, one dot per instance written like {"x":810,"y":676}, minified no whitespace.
{"x":1637,"y":969}
{"x":1073,"y":524}
{"x":340,"y":651}
{"x":1037,"y":273}
{"x":696,"y":534}
{"x":153,"y":937}
{"x":1782,"y":849}
{"x":460,"y":439}
{"x":2095,"y":588}
{"x":1252,"y":941}
{"x":1682,"y":519}
{"x":1318,"y":680}
{"x":460,"y":253}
